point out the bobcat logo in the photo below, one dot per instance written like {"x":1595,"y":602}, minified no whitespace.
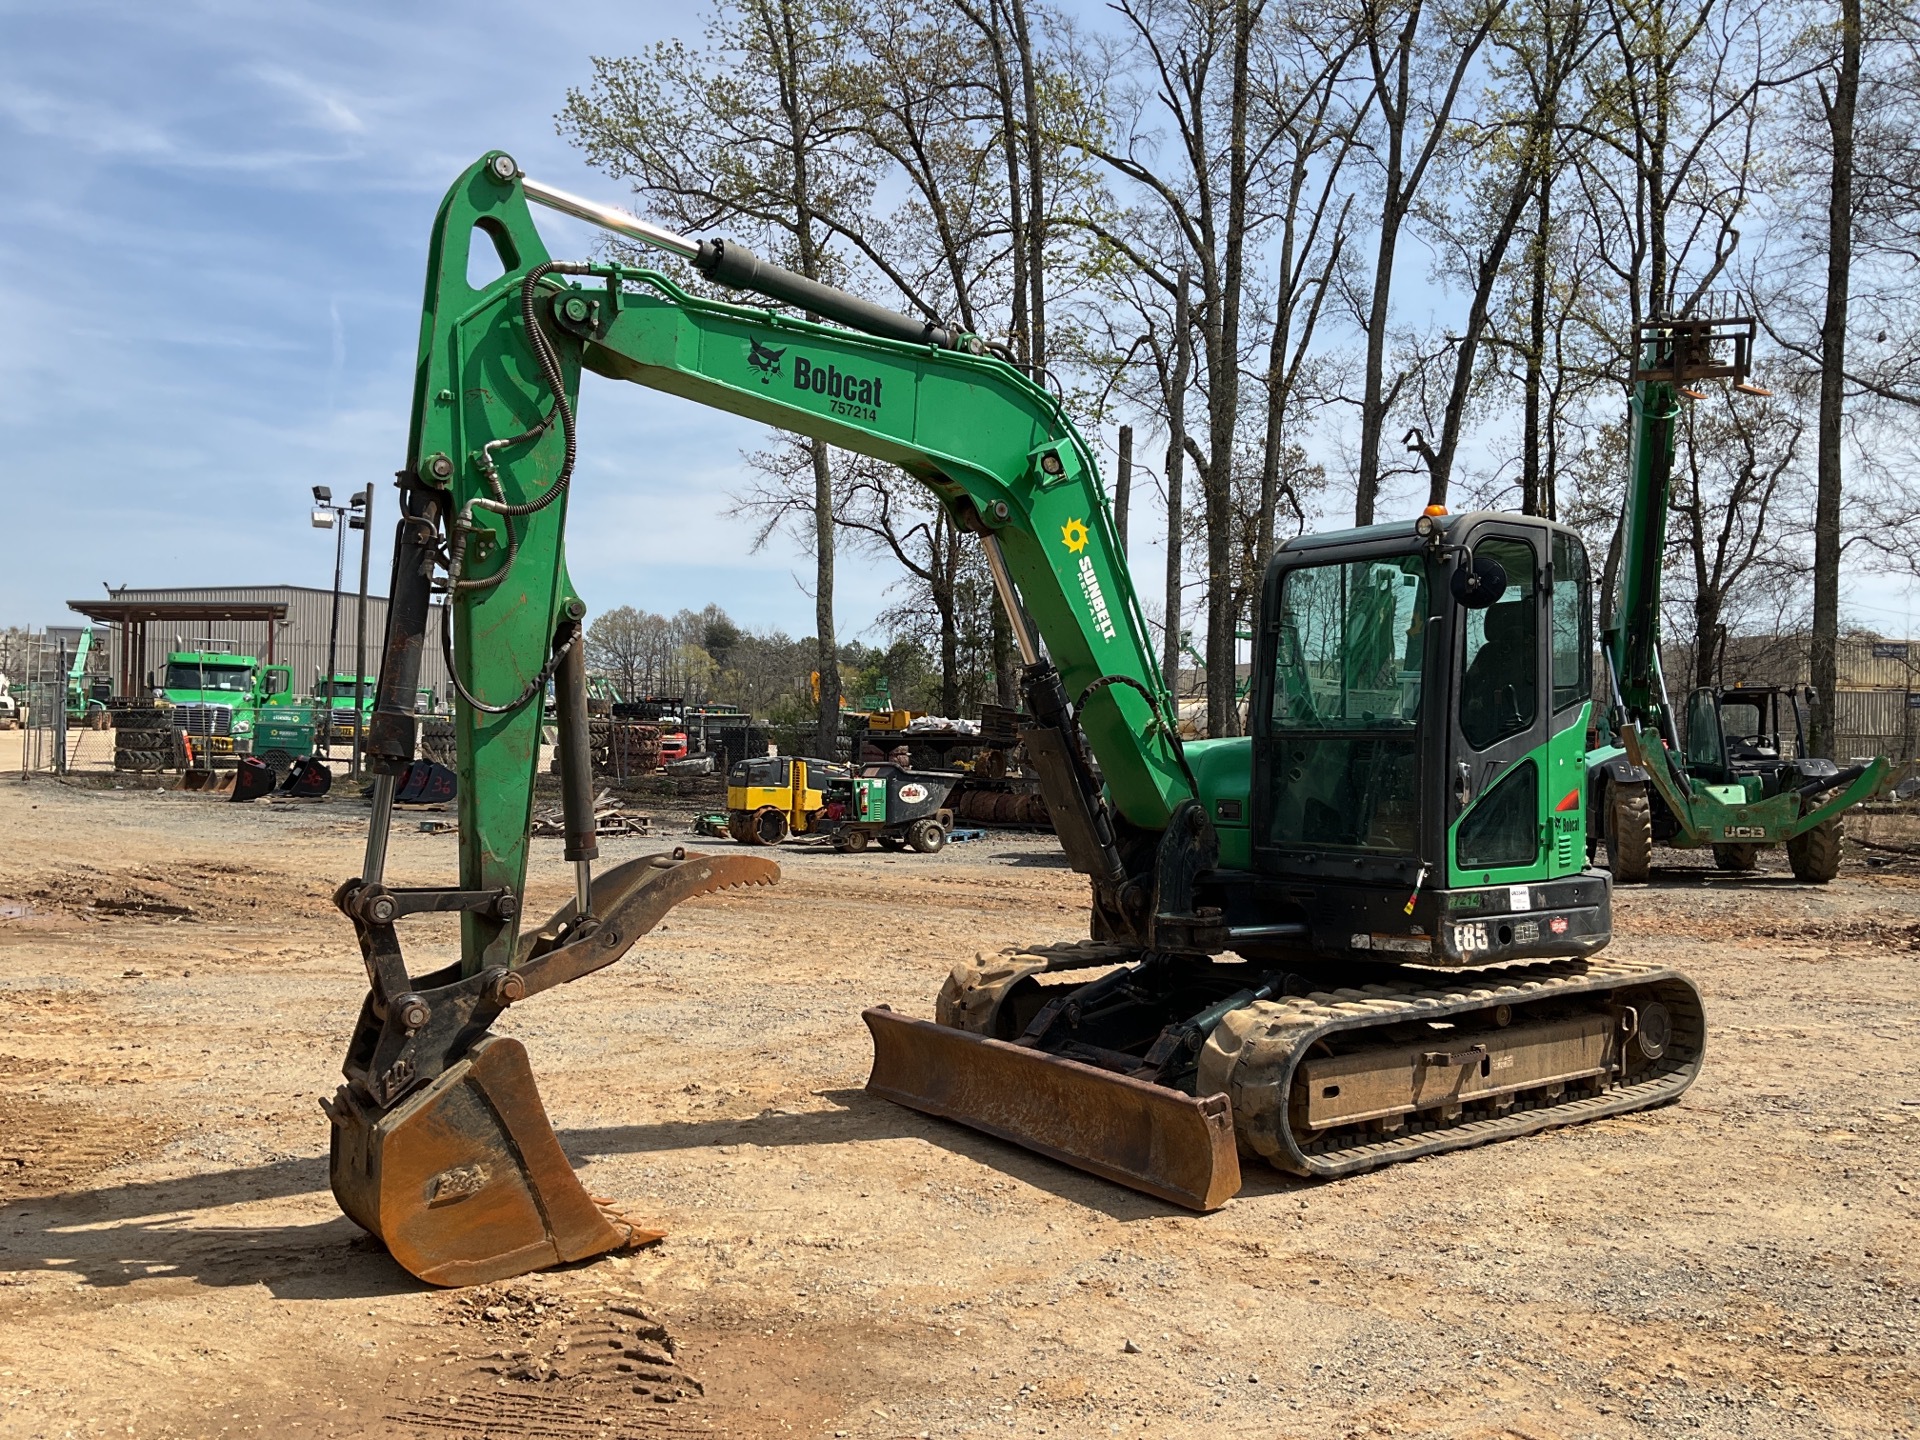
{"x":766,"y":361}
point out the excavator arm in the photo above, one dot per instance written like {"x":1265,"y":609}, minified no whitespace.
{"x":994,"y":446}
{"x":1639,"y":778}
{"x":440,"y":1144}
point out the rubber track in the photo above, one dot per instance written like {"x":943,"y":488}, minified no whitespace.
{"x":1254,"y":1052}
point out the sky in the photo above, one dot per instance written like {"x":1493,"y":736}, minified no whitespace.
{"x":211,"y":260}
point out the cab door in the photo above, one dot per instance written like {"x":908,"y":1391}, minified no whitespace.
{"x":1502,"y":717}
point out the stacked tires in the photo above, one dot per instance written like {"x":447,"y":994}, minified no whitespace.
{"x":143,"y":738}
{"x":635,"y":748}
{"x":436,"y":740}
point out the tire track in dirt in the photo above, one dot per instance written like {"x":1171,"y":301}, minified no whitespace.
{"x":532,"y":1362}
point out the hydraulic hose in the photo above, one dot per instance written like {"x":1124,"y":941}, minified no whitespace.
{"x":549,"y":362}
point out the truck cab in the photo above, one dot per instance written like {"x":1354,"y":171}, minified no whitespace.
{"x":334,"y":699}
{"x":217,"y":696}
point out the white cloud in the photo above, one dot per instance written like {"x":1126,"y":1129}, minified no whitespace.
{"x":325,"y":109}
{"x":90,"y":126}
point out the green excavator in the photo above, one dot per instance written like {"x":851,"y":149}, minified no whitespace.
{"x":1365,"y":932}
{"x":1730,"y":783}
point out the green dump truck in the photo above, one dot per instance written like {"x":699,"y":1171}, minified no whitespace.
{"x":218,"y":699}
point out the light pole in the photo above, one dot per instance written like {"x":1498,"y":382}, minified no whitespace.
{"x":365,"y":521}
{"x":326,"y":516}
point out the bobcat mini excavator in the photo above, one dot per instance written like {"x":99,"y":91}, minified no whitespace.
{"x":1364,"y":933}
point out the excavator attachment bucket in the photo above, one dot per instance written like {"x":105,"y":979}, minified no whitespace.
{"x":1144,"y":1136}
{"x":464,"y":1179}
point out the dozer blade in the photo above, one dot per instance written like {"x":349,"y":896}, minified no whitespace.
{"x":463,"y":1179}
{"x":1144,"y":1136}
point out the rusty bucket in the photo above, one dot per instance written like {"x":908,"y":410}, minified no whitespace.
{"x":462,"y":1177}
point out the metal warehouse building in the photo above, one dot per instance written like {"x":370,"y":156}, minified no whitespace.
{"x":283,"y":624}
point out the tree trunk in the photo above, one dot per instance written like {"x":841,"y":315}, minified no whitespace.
{"x":944,"y":571}
{"x":1466,"y":354}
{"x":1176,"y":469}
{"x":826,"y":649}
{"x":1223,"y":385}
{"x":1532,"y":490}
{"x":1373,"y":405}
{"x":1833,"y":358}
{"x":1023,"y":330}
{"x":1123,"y":487}
{"x":1036,"y":236}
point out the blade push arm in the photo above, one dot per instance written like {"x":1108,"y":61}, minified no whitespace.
{"x":492,"y":435}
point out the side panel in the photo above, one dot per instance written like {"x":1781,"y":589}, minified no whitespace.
{"x":1224,"y":769}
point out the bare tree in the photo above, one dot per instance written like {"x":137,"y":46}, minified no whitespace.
{"x":1512,"y":148}
{"x":752,"y":131}
{"x":1419,"y":59}
{"x":1737,"y":461}
{"x":1203,"y":194}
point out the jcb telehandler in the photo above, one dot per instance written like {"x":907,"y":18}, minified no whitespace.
{"x":1363,"y":933}
{"x":1644,"y":782}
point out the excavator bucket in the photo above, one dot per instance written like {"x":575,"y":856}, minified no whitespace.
{"x":1144,"y":1136}
{"x":464,"y":1179}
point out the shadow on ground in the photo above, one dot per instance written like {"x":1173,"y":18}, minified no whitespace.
{"x":145,"y":1230}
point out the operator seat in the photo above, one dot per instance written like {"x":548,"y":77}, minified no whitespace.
{"x":1496,"y":696}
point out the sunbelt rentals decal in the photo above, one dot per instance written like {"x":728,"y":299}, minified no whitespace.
{"x":1075,"y":535}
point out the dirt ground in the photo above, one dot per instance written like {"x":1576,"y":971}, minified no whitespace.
{"x":177,"y":993}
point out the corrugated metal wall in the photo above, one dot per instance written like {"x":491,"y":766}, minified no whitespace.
{"x":300,"y":640}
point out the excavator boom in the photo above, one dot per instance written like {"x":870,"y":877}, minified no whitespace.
{"x":1409,"y":795}
{"x":440,"y":1144}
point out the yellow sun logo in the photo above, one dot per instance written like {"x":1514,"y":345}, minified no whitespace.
{"x":1073,"y":535}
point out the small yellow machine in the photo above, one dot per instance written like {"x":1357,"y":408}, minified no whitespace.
{"x":782,"y":795}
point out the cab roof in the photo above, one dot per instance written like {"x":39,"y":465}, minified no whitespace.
{"x":1404,"y":530}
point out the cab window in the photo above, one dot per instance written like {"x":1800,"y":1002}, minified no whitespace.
{"x":1572,"y":623}
{"x":1351,"y":642}
{"x":1498,"y":688}
{"x":1346,"y":704}
{"x":1504,"y":828}
{"x":231,"y":678}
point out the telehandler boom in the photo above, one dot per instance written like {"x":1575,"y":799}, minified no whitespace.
{"x":1643,"y":784}
{"x":1279,"y":922}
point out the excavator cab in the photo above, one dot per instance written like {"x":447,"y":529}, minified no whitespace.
{"x":1418,"y":732}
